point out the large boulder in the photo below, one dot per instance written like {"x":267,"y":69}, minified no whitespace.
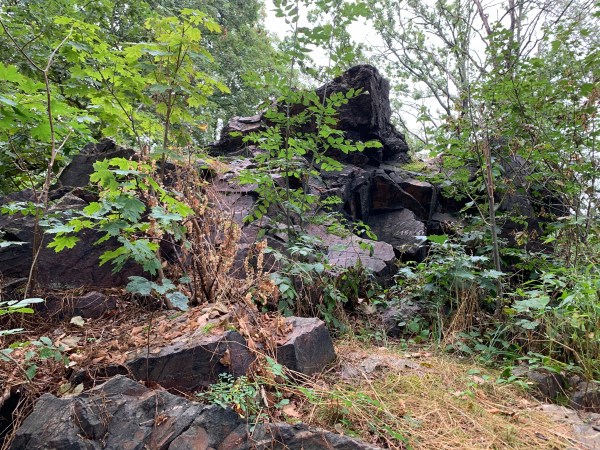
{"x":348,"y":251}
{"x":367,"y":116}
{"x":123,"y":414}
{"x":75,"y":267}
{"x":402,"y":230}
{"x":77,"y":173}
{"x":364,"y":118}
{"x":308,"y":348}
{"x":195,"y":361}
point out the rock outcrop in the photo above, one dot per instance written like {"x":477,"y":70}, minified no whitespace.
{"x":194,"y":361}
{"x":365,"y":117}
{"x":371,"y":187}
{"x":123,"y":414}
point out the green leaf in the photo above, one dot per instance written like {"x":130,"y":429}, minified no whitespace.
{"x":178,"y":300}
{"x":110,"y":255}
{"x":9,"y":73}
{"x":492,"y":274}
{"x":131,"y":208}
{"x":59,"y":243}
{"x":62,"y":228}
{"x":140,"y":285}
{"x":537,"y":301}
{"x":46,"y":341}
{"x":31,"y":371}
{"x":7,"y":101}
{"x":438,"y":239}
{"x":166,"y":286}
{"x":165,"y":217}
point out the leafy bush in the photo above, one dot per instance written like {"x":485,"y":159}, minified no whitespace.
{"x":33,"y":351}
{"x":453,"y":281}
{"x":558,"y":315}
{"x":306,"y":281}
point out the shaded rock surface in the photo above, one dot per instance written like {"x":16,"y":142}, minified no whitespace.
{"x":195,"y":362}
{"x":401,"y":229}
{"x":367,"y":116}
{"x":549,"y":385}
{"x":585,"y":426}
{"x":89,"y":306}
{"x":586,"y":397}
{"x":395,"y":317}
{"x":75,"y":267}
{"x":123,"y":414}
{"x":233,"y":133}
{"x":77,"y":173}
{"x":347,"y":251}
{"x":582,"y":395}
{"x":308,"y":348}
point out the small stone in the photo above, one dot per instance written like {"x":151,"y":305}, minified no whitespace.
{"x":550,"y":385}
{"x":93,"y":305}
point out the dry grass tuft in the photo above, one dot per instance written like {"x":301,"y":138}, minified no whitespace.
{"x":419,"y":400}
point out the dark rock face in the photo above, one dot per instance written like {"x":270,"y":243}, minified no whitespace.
{"x":76,"y":267}
{"x":194,"y":364}
{"x":441,"y":223}
{"x":395,"y":317}
{"x":352,"y":185}
{"x":549,"y":385}
{"x":123,"y":414}
{"x":230,"y":141}
{"x":347,"y":251}
{"x":391,"y":190}
{"x":586,"y":397}
{"x":89,"y":306}
{"x":308,"y":348}
{"x":386,"y":195}
{"x":400,"y":229}
{"x":367,"y":187}
{"x":77,"y":174}
{"x":367,"y":116}
{"x":93,"y":305}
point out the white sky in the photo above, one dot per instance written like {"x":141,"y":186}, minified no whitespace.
{"x":363,"y":33}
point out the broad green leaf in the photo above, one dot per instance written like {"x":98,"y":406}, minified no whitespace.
{"x":178,"y":300}
{"x":59,"y":243}
{"x":140,"y":285}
